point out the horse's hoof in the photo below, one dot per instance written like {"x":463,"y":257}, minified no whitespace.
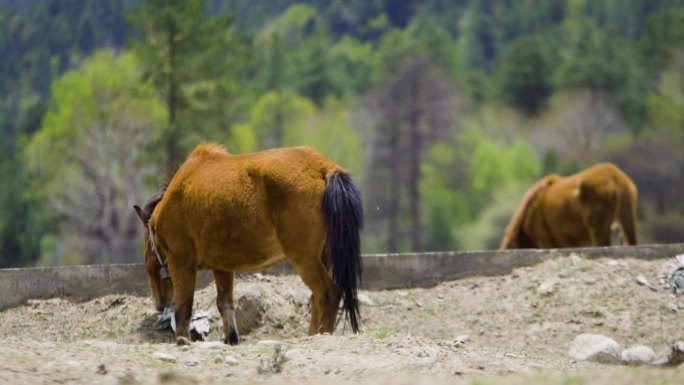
{"x":232,"y":339}
{"x":180,"y":341}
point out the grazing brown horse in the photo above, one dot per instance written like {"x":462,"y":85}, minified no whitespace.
{"x":246,"y":212}
{"x":575,"y":211}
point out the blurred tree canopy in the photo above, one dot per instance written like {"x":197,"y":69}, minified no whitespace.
{"x":445,"y":111}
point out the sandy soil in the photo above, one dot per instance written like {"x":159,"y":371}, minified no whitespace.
{"x":519,"y":327}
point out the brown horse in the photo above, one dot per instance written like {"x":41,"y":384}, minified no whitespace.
{"x":246,"y":212}
{"x":575,"y":211}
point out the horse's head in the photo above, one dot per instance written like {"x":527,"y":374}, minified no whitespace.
{"x":161,"y":286}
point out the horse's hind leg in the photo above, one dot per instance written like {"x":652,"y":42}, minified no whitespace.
{"x":226,"y":305}
{"x":325,"y":296}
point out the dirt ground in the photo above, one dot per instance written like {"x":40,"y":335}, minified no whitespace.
{"x":518,"y":329}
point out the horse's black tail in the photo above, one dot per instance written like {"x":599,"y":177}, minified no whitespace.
{"x":343,"y":209}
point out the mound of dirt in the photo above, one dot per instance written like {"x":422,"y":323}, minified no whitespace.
{"x":506,"y":326}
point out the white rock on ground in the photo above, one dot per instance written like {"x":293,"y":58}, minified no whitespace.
{"x":595,"y":348}
{"x":461,"y":339}
{"x":547,"y":288}
{"x":364,"y":299}
{"x":231,"y":360}
{"x":638,"y":355}
{"x":164,"y":357}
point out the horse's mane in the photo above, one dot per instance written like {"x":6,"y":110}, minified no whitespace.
{"x":152,"y":201}
{"x":512,"y":232}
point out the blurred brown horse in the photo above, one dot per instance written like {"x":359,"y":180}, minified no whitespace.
{"x":575,"y":211}
{"x":233,"y":213}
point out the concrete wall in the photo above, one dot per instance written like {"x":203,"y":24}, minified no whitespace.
{"x":381,"y":271}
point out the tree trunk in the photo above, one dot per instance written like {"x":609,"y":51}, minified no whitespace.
{"x":172,"y":150}
{"x":394,"y":193}
{"x":414,"y":166}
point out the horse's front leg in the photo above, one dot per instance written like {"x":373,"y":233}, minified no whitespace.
{"x":184,"y":291}
{"x":226,"y":305}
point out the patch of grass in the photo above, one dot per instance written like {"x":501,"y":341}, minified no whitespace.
{"x":40,"y":317}
{"x":379,"y":333}
{"x":275,"y":363}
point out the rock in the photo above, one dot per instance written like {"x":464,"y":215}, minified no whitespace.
{"x":675,"y":358}
{"x":595,"y":348}
{"x":641,"y":280}
{"x":427,"y":355}
{"x":364,"y":299}
{"x":547,"y":288}
{"x":461,"y":340}
{"x":250,"y":308}
{"x":577,"y":261}
{"x":192,"y":360}
{"x":268,"y":342}
{"x":165,"y":357}
{"x":230,"y":360}
{"x":209,"y":345}
{"x":638,"y":355}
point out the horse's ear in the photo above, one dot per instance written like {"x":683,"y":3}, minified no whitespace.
{"x":140,"y":214}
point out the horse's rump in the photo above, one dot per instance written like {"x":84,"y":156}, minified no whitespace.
{"x":575,"y":211}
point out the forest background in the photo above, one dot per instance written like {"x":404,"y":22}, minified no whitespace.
{"x":445,"y":111}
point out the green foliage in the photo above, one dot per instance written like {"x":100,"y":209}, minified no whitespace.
{"x":486,"y":232}
{"x":195,"y":62}
{"x":313,"y":73}
{"x":601,"y":61}
{"x":353,"y":67}
{"x":495,"y":165}
{"x":276,"y":119}
{"x":444,"y":206}
{"x":84,"y":162}
{"x":525,"y":71}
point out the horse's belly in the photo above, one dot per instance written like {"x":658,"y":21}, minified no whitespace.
{"x":240,"y":256}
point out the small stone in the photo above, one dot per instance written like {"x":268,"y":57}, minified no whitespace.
{"x":165,"y":357}
{"x":364,"y":299}
{"x":230,"y":360}
{"x":461,"y":339}
{"x":595,"y":348}
{"x":547,"y":288}
{"x":638,"y":355}
{"x":209,"y":345}
{"x":576,"y":259}
{"x":218,"y":359}
{"x":268,"y":342}
{"x":673,"y":307}
{"x":192,"y":361}
{"x":101,"y":369}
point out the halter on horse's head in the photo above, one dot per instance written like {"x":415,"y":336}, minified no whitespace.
{"x":156,"y":266}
